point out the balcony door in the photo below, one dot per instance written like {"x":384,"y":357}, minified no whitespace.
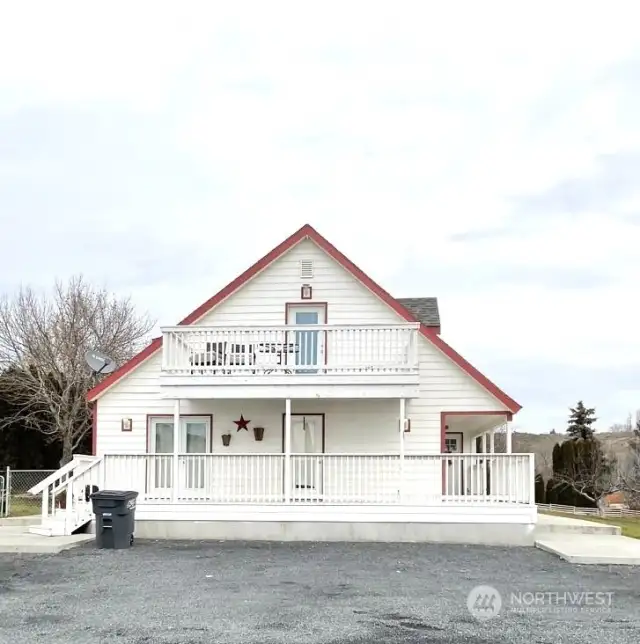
{"x":309,"y":344}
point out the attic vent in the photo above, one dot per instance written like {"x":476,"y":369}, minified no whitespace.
{"x":306,"y":268}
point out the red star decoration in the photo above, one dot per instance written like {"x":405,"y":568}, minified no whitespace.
{"x":242,"y":423}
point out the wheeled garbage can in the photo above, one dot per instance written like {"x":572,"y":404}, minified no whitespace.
{"x":115,"y":512}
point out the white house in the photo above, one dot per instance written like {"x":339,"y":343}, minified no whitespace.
{"x":303,"y":401}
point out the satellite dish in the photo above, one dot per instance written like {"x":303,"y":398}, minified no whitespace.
{"x":99,"y":362}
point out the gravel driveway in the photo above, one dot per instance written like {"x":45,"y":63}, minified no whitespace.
{"x":339,"y":593}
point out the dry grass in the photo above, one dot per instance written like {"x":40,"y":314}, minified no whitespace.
{"x":24,"y":506}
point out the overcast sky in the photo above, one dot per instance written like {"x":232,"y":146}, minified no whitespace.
{"x":479,"y":152}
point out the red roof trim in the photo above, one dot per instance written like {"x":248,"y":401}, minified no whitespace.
{"x":251,"y":272}
{"x":94,"y":427}
{"x":112,"y":378}
{"x":310,"y":232}
{"x":204,"y":308}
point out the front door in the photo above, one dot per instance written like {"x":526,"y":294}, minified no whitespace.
{"x":306,"y":462}
{"x":195,"y":444}
{"x":308,"y":344}
{"x":194,"y":440}
{"x":454,"y":467}
{"x":160,"y":473}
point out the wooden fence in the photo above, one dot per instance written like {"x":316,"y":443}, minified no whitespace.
{"x":598,"y":512}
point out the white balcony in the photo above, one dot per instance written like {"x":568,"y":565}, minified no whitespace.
{"x":288,"y":355}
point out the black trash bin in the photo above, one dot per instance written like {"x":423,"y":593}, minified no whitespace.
{"x":115,"y":512}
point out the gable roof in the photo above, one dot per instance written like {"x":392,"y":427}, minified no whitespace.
{"x":308,"y":232}
{"x":424,"y":309}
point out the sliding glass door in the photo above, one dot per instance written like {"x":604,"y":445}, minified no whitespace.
{"x":194,"y":442}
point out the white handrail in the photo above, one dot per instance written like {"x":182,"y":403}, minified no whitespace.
{"x":456,"y":455}
{"x":65,"y":479}
{"x":65,"y":469}
{"x":287,"y":327}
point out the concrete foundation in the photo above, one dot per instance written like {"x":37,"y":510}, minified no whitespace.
{"x":491,"y":534}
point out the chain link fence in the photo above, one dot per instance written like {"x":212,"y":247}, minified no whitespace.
{"x":15,"y":500}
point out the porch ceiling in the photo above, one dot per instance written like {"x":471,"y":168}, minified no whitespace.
{"x":475,"y":424}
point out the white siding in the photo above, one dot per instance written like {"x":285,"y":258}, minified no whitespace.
{"x":443,"y":387}
{"x":350,"y":426}
{"x":362,"y":426}
{"x":263,"y":299}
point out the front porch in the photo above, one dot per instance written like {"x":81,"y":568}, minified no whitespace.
{"x":314,"y":462}
{"x":333,"y":497}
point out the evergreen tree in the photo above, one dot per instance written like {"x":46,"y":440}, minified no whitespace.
{"x":568,"y":460}
{"x":580,"y":421}
{"x":552,"y":491}
{"x":540,"y":492}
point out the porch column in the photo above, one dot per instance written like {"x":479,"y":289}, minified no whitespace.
{"x":176,"y":445}
{"x":492,"y":441}
{"x":287,"y":451}
{"x":508,"y":448}
{"x":403,"y":408}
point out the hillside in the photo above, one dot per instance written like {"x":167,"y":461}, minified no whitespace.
{"x":615,"y":443}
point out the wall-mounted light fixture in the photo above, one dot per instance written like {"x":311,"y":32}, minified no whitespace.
{"x":306,"y":292}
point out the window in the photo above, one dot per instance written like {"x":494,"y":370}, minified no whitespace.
{"x":194,"y":436}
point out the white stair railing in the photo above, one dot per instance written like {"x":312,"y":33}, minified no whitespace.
{"x":77,"y":479}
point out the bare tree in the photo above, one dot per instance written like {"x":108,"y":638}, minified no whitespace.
{"x":627,"y":426}
{"x":43,"y":340}
{"x":629,"y":469}
{"x":588,"y":470}
{"x":544,"y":463}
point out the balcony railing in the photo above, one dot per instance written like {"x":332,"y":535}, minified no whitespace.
{"x":375,"y":479}
{"x":324,"y":349}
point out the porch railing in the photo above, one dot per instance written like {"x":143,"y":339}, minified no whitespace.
{"x":327,"y":349}
{"x":377,"y":479}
